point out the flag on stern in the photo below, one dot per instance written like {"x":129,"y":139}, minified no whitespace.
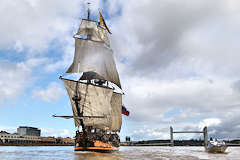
{"x":125,"y":111}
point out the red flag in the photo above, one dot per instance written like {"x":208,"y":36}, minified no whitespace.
{"x":125,"y":111}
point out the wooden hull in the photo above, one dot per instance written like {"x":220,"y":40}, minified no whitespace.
{"x":98,"y":146}
{"x":217,"y":149}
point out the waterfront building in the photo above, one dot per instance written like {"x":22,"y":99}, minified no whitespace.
{"x":31,"y":131}
{"x":31,"y":136}
{"x":7,"y":138}
{"x":16,"y":138}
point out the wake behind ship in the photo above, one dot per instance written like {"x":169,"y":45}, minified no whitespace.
{"x":96,"y":105}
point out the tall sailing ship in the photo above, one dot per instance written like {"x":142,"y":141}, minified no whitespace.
{"x":96,"y":104}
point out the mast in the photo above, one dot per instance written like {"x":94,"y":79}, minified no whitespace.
{"x":77,"y":99}
{"x":88,"y":11}
{"x":89,"y":36}
{"x":81,"y":113}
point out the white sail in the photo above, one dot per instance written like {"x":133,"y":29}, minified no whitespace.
{"x":116,"y":103}
{"x":95,"y":32}
{"x":71,"y":87}
{"x":103,"y":35}
{"x":93,"y":56}
{"x":94,"y":101}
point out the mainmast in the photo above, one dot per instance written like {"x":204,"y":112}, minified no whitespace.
{"x":76,"y":98}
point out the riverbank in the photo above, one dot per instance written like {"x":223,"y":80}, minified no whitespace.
{"x":46,"y":144}
{"x":191,"y":142}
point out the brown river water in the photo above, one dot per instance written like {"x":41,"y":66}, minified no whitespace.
{"x":131,"y":153}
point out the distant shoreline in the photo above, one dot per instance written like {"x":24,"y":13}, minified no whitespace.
{"x":9,"y":144}
{"x":140,"y":145}
{"x":191,"y":142}
{"x":156,"y":145}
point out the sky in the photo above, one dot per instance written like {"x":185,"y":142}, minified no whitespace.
{"x":178,"y":63}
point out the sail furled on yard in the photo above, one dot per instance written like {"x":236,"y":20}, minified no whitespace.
{"x":116,"y":103}
{"x":94,"y":101}
{"x":93,"y":56}
{"x":90,"y":75}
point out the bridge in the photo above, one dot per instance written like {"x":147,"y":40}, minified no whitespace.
{"x":204,"y":132}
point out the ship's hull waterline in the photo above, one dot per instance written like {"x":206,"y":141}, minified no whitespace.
{"x":97,"y":147}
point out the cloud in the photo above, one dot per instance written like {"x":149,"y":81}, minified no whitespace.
{"x":50,"y":94}
{"x":56,"y":132}
{"x":14,"y":78}
{"x":227,"y":129}
{"x":8,"y":129}
{"x":194,"y":98}
{"x":34,"y":24}
{"x":236,"y":86}
{"x":34,"y":27}
{"x":147,"y":133}
{"x":44,"y":131}
{"x":209,"y":122}
{"x":198,"y":35}
{"x":180,"y":56}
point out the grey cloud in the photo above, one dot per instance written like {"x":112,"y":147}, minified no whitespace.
{"x":236,"y":86}
{"x":156,"y":29}
{"x":153,"y":98}
{"x":229,"y":128}
{"x":179,"y":55}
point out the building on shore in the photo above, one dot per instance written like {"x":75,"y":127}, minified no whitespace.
{"x":27,"y":137}
{"x":31,"y":131}
{"x":16,"y":138}
{"x":66,"y":140}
